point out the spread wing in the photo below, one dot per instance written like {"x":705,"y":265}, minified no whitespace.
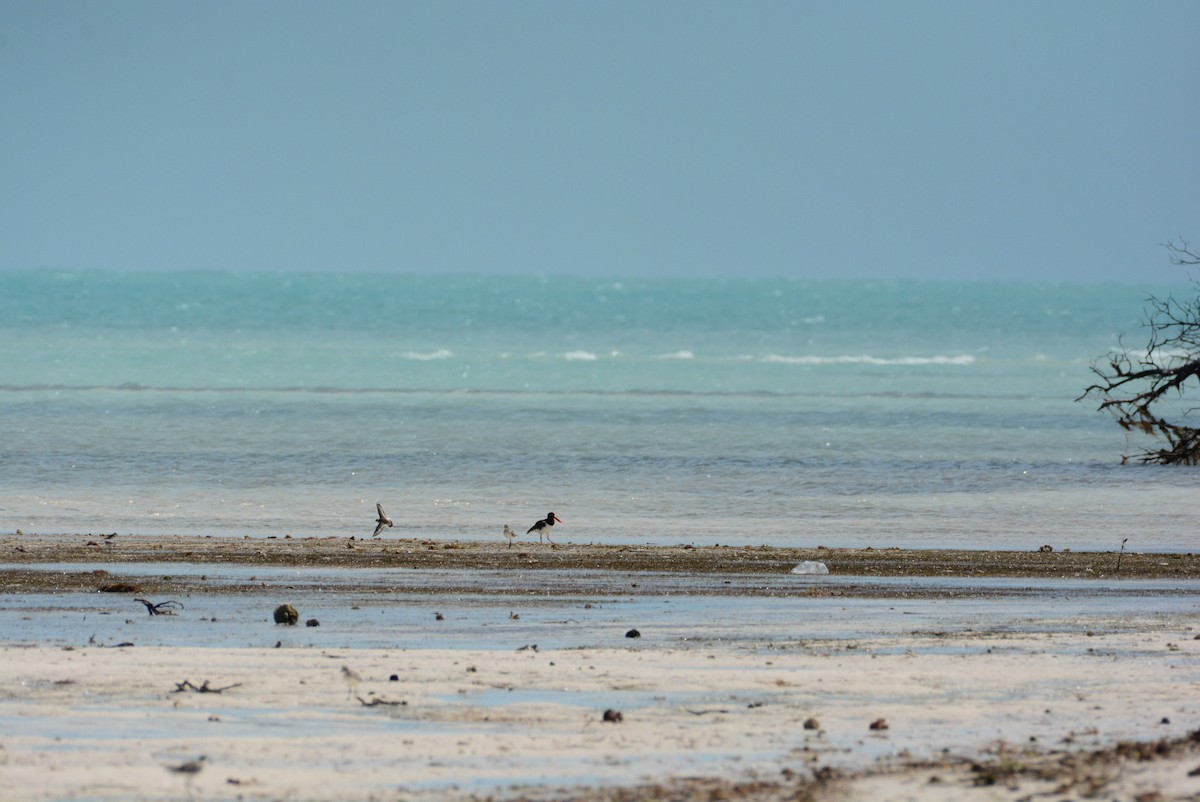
{"x":382,"y":521}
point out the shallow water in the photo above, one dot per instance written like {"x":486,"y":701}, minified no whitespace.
{"x":792,"y":413}
{"x":399,"y":609}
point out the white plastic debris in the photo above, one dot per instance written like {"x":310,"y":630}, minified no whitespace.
{"x":811,"y":567}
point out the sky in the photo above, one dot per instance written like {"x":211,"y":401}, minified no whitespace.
{"x":1002,"y":140}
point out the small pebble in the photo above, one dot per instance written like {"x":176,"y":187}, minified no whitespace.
{"x":312,"y":622}
{"x":613,"y":716}
{"x":633,"y":633}
{"x":879,"y":724}
{"x":812,"y":724}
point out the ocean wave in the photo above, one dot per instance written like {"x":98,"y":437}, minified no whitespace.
{"x":863,"y":359}
{"x":441,"y":353}
{"x":580,"y":356}
{"x":678,"y":355}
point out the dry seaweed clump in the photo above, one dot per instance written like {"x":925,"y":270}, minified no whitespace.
{"x":286,"y":614}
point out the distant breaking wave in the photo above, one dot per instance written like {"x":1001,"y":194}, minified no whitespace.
{"x":961,"y":359}
{"x":441,"y":353}
{"x":678,"y":355}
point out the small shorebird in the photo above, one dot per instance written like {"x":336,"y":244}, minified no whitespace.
{"x":381,"y":521}
{"x":192,"y":767}
{"x":189,"y":771}
{"x":352,"y":679}
{"x":543,"y":526}
{"x":510,"y":534}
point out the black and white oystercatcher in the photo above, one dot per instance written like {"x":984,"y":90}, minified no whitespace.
{"x":543,"y":526}
{"x":381,"y":521}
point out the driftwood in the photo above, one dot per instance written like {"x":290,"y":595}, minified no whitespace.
{"x":377,"y":702}
{"x":162,"y":608}
{"x":186,"y":685}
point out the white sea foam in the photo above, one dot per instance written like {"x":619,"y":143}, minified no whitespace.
{"x":579,"y":356}
{"x":678,"y":355}
{"x":441,"y":353}
{"x":864,"y":359}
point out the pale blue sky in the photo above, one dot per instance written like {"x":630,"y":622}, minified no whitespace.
{"x":865,"y":139}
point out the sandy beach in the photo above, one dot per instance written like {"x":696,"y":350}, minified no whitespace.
{"x":1067,"y":681}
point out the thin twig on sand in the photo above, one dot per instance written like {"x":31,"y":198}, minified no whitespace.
{"x":186,"y":685}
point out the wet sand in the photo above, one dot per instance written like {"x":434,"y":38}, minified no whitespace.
{"x":1061,"y":702}
{"x":557,"y":560}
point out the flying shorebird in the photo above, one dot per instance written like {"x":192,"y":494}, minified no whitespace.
{"x":543,"y":526}
{"x":510,"y":534}
{"x":381,"y":521}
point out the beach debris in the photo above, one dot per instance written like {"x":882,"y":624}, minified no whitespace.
{"x":381,"y":521}
{"x":612,"y":716}
{"x":811,"y":724}
{"x":879,"y":725}
{"x":379,"y":701}
{"x":162,"y":608}
{"x":529,"y":647}
{"x":811,"y":567}
{"x":633,"y":633}
{"x":439,"y":617}
{"x":120,"y":587}
{"x":394,"y":678}
{"x":186,"y":686}
{"x":312,"y":622}
{"x":1046,"y":549}
{"x":286,"y":614}
{"x":352,"y":678}
{"x":509,"y":534}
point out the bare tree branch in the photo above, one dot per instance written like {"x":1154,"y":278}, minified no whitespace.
{"x":1132,"y":386}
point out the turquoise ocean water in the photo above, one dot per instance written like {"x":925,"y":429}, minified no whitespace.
{"x":741,"y":411}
